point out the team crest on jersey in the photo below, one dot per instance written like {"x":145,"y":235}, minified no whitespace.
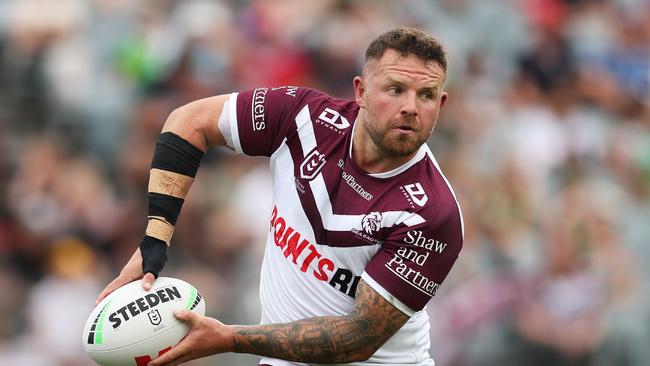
{"x":312,"y":165}
{"x":370,"y":226}
{"x":415,"y":193}
{"x":371,"y":223}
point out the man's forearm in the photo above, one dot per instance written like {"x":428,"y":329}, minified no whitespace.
{"x":323,"y":339}
{"x":329,"y":339}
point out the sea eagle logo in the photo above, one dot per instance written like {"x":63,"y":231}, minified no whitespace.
{"x":371,"y":223}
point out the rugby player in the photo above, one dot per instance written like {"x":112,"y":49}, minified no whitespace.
{"x":364,"y":227}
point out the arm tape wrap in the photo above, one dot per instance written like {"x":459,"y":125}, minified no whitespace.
{"x":169,"y":183}
{"x":173,"y":168}
{"x":165,"y":206}
{"x":175,"y":154}
{"x":154,"y":255}
{"x":159,"y":228}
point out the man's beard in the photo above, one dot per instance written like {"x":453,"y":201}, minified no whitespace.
{"x":397,"y":145}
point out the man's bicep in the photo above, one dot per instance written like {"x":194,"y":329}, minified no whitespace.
{"x":197,"y":122}
{"x":382,"y":318}
{"x":261,"y":119}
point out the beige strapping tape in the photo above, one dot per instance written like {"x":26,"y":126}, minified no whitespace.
{"x":169,"y":183}
{"x":159,"y":228}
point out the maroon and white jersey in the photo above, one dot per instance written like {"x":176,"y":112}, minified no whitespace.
{"x":332,"y":223}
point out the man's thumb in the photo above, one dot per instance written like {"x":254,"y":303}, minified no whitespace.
{"x":184,"y":315}
{"x":147,"y":281}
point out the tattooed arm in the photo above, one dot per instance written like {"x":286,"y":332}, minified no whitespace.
{"x":327,"y":339}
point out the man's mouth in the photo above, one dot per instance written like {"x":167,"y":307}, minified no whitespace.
{"x":405,"y":128}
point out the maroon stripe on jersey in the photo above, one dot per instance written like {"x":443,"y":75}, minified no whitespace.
{"x":307,"y":200}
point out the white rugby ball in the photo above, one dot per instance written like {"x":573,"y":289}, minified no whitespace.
{"x":132,"y":326}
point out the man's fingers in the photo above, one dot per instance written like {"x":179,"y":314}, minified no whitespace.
{"x":101,"y":296}
{"x":170,"y":356}
{"x":187,"y":316}
{"x":184,"y":358}
{"x":182,"y":351}
{"x":147,"y":281}
{"x":115,"y":284}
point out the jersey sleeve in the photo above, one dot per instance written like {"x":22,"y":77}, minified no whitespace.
{"x":415,"y":260}
{"x":255,"y":122}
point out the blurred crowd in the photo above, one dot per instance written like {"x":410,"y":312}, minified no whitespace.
{"x":545,"y":138}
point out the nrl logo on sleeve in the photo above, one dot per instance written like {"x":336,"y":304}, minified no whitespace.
{"x":311,"y":166}
{"x":416,"y":193}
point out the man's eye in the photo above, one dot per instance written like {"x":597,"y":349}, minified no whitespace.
{"x":395,"y":90}
{"x":427,"y":95}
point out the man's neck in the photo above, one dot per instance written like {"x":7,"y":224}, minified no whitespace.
{"x":367,"y":155}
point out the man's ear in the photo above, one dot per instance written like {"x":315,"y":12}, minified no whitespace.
{"x":443,"y":99}
{"x":360,"y":91}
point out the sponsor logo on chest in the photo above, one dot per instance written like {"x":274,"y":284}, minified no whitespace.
{"x":414,"y":194}
{"x":333,"y":120}
{"x":352,"y":182}
{"x":306,"y":256}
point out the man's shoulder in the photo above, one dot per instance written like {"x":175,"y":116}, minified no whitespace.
{"x":427,"y":191}
{"x":321,"y":105}
{"x":296,"y":95}
{"x":325,"y":112}
{"x":328,"y":108}
{"x":430,"y":204}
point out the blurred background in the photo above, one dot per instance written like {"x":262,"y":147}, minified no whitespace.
{"x":545,"y":138}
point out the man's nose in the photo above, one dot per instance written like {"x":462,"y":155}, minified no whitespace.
{"x":409,"y":104}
